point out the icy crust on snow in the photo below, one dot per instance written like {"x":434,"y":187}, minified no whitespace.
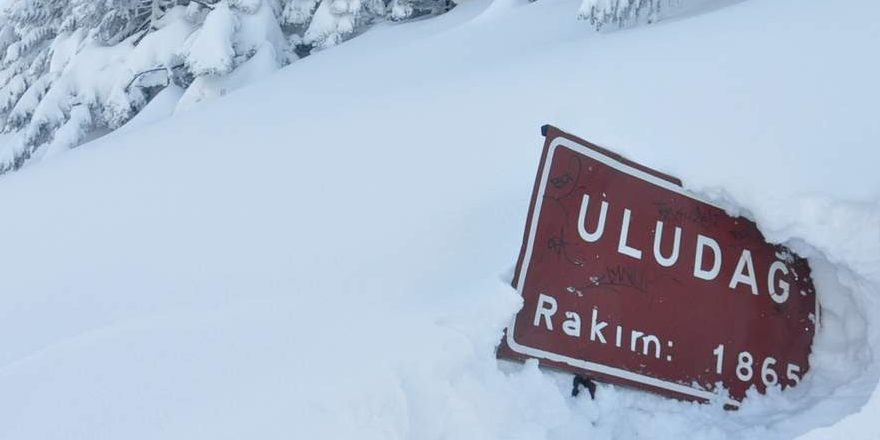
{"x":338,"y":269}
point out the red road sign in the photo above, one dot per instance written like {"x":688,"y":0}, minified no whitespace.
{"x":628,"y":278}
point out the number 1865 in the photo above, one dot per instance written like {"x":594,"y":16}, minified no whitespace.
{"x":745,"y":368}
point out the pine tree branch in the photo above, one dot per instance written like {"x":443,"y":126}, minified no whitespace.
{"x":157,"y":69}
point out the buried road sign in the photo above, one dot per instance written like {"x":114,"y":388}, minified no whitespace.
{"x":628,"y":278}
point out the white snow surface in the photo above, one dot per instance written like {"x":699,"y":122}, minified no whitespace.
{"x":326,"y":255}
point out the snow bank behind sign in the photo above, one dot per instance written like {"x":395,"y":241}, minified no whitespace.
{"x":252,"y":269}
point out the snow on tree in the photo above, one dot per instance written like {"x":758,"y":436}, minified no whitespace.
{"x":28,"y":27}
{"x":329,"y":22}
{"x":335,"y":20}
{"x":70,"y":49}
{"x":404,"y":9}
{"x":26,"y":68}
{"x":71,"y":69}
{"x":620,"y":13}
{"x":111,"y":21}
{"x":603,"y":14}
{"x":238,"y":43}
{"x":210,"y":51}
{"x":298,"y":14}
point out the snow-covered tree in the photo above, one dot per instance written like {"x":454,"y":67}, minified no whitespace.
{"x":619,"y":13}
{"x":335,"y":20}
{"x":70,"y":69}
{"x":611,"y":14}
{"x":404,"y":9}
{"x":74,"y":67}
{"x":238,"y":42}
{"x":30,"y":27}
{"x":325,"y":23}
{"x":111,"y":21}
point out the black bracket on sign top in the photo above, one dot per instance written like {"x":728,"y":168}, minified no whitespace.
{"x":587,"y":383}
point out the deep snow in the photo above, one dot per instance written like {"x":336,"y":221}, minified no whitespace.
{"x":326,"y":254}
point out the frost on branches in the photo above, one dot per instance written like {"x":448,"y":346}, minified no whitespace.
{"x":71,"y":70}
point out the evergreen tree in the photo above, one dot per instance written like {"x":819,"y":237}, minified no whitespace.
{"x":619,"y":13}
{"x":335,"y":20}
{"x":404,"y":9}
{"x":71,"y":68}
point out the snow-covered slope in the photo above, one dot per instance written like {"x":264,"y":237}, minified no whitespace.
{"x":338,"y":267}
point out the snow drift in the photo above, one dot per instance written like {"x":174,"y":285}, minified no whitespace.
{"x":339,"y":268}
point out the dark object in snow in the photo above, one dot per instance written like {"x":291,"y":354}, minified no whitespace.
{"x":585,"y":382}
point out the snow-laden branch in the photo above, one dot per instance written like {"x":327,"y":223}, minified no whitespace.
{"x":72,"y":67}
{"x":618,"y":13}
